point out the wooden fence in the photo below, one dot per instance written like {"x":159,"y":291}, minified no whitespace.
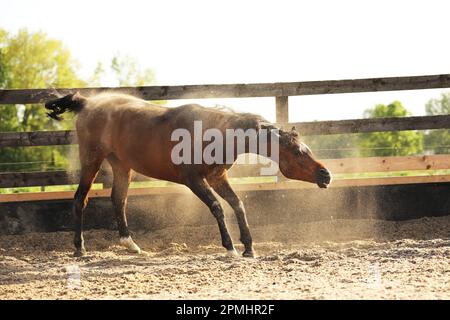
{"x":281,"y":92}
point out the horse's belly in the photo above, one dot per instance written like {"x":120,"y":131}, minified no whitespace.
{"x":150,"y":159}
{"x":156,"y":171}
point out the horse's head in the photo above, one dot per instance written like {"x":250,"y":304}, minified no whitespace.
{"x":296,"y":160}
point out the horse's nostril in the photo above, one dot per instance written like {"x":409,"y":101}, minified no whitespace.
{"x":323,"y":177}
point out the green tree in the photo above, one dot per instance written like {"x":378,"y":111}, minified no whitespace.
{"x":96,"y":78}
{"x":438,"y":141}
{"x":393,"y":143}
{"x":32,"y":60}
{"x":3,"y":71}
{"x":128,"y":72}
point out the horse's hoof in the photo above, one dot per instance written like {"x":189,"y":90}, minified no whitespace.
{"x":136,"y":251}
{"x":130,"y":245}
{"x":79,"y":253}
{"x":249,"y":254}
{"x":232,"y":253}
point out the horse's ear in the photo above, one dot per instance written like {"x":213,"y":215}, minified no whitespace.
{"x":294,"y":132}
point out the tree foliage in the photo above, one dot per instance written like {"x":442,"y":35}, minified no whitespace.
{"x":32,"y":60}
{"x":393,"y":143}
{"x":124,"y":71}
{"x":128,"y":73}
{"x":438,"y":141}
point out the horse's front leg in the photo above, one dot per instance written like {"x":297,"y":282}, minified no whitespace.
{"x":204,"y":192}
{"x":223,"y":188}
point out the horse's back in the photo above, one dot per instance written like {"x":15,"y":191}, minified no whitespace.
{"x":139,"y":133}
{"x":109,"y":114}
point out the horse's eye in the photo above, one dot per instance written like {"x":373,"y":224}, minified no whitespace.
{"x":297,"y":152}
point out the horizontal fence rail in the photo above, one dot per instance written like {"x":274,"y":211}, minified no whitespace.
{"x":280,"y":89}
{"x":37,"y":138}
{"x":337,"y":166}
{"x":372,"y":125}
{"x":64,"y":137}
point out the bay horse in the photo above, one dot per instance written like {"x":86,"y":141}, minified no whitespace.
{"x":132,"y":134}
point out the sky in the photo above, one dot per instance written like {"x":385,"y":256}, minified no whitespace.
{"x":203,"y":42}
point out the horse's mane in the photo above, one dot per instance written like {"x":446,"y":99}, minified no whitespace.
{"x":228,"y":118}
{"x":239,"y":120}
{"x":286,"y":138}
{"x":247,"y":120}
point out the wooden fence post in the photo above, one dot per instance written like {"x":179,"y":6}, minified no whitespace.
{"x":282,"y":109}
{"x":282,"y":118}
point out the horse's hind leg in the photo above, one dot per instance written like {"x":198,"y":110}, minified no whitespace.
{"x":121,"y":182}
{"x":223,"y":188}
{"x":88,"y":173}
{"x":202,"y":190}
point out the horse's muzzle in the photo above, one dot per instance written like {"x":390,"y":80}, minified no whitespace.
{"x":323,"y":178}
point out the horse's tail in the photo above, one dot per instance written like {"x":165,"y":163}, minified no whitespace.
{"x":74,"y":102}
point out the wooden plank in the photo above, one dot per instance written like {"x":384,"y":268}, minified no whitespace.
{"x":102,"y":193}
{"x":388,"y":164}
{"x":371,"y":125}
{"x":288,"y":185}
{"x":338,"y":183}
{"x":47,"y":138}
{"x":347,"y":165}
{"x":28,"y":179}
{"x":279,"y":89}
{"x":282,"y":117}
{"x":37,"y":138}
{"x":282,"y":109}
{"x":391,"y":181}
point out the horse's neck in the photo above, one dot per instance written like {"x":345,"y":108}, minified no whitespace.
{"x":264,"y":147}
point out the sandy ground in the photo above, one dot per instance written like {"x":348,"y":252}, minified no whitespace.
{"x":336,"y":259}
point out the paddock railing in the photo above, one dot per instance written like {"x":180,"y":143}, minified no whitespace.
{"x":281,"y":93}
